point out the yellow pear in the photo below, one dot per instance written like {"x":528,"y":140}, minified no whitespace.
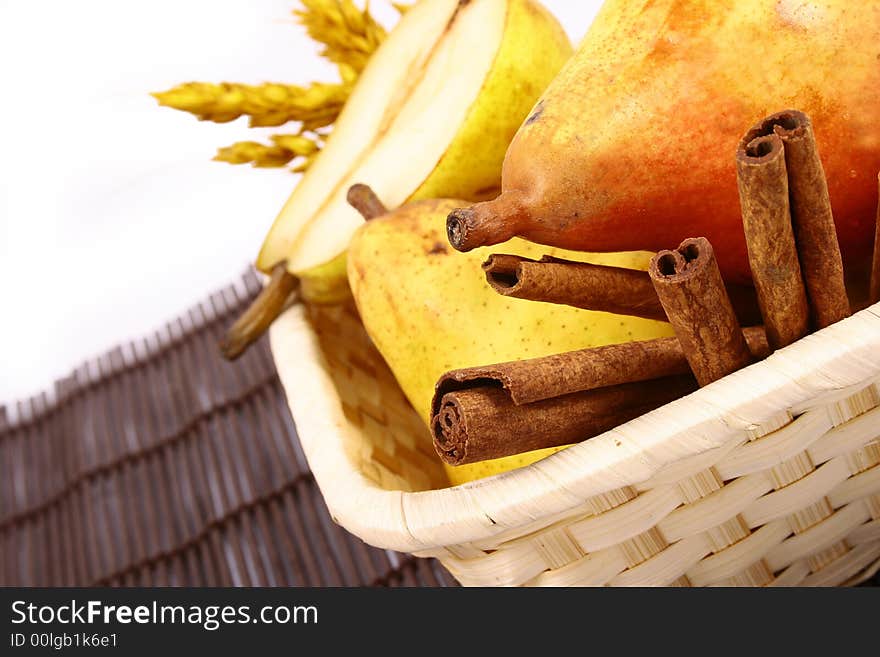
{"x":428,"y":309}
{"x":430,"y":116}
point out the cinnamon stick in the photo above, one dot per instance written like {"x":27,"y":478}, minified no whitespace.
{"x":875,"y":270}
{"x":814,"y":230}
{"x":537,"y":379}
{"x":773,"y":257}
{"x":579,"y":284}
{"x":594,"y":287}
{"x":498,"y":410}
{"x":691,"y":290}
{"x":483,"y":423}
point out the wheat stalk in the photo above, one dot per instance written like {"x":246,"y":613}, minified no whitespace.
{"x":349,"y":37}
{"x":268,"y":104}
{"x":279,"y":153}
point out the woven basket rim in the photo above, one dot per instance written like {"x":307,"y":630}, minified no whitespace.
{"x":825,"y":363}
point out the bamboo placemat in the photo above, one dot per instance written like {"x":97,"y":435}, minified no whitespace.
{"x":161,"y":464}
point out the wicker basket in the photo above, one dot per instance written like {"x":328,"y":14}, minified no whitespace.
{"x":770,"y":476}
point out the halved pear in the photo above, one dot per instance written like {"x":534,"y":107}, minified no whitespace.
{"x":431,"y":115}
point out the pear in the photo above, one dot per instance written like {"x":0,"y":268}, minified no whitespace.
{"x":431,"y":115}
{"x":428,"y":309}
{"x":632,"y":145}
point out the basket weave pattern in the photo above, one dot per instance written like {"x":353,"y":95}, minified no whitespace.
{"x":774,"y":489}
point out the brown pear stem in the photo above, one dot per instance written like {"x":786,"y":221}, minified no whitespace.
{"x":594,"y":287}
{"x":261,"y":313}
{"x":485,"y":224}
{"x":363,"y":199}
{"x":875,"y":270}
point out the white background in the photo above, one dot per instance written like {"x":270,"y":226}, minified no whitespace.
{"x":113,"y":218}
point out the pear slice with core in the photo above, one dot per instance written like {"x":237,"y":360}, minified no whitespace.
{"x":431,"y":116}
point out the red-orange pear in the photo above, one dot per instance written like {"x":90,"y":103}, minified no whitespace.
{"x":632,"y":146}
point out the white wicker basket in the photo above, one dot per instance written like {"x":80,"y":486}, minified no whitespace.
{"x":770,"y":476}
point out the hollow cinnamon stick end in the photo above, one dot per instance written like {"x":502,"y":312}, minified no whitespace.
{"x":665,"y":264}
{"x":450,"y":436}
{"x":757,"y":149}
{"x":690,"y":287}
{"x":698,"y":248}
{"x":448,"y":382}
{"x":478,"y":421}
{"x":787,"y":124}
{"x":762,"y":182}
{"x":494,"y":376}
{"x":503,"y":272}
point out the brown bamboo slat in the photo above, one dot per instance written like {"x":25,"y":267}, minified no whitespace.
{"x":160,"y":463}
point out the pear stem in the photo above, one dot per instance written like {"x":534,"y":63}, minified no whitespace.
{"x":261,"y":313}
{"x":363,"y":199}
{"x":486,"y":224}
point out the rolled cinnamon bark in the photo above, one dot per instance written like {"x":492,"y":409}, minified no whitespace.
{"x":814,"y":230}
{"x":690,"y":288}
{"x":875,"y":269}
{"x":483,"y":423}
{"x":594,"y":287}
{"x":578,"y":284}
{"x":537,"y":379}
{"x":773,"y":257}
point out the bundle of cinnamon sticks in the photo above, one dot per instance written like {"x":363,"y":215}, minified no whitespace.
{"x":498,"y":410}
